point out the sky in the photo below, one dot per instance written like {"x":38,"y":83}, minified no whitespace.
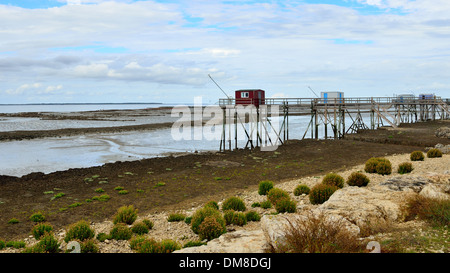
{"x":163,"y":51}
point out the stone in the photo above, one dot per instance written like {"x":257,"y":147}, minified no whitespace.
{"x":240,"y":241}
{"x":405,"y":183}
{"x":443,"y":132}
{"x":360,"y":205}
{"x":438,"y":191}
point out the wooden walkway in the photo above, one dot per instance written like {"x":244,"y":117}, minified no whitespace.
{"x":327,"y":113}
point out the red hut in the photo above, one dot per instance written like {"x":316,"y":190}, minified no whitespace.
{"x":250,"y":96}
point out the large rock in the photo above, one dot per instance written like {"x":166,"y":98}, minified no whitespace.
{"x":362,"y":206}
{"x":406,"y":183}
{"x":443,"y":132}
{"x":436,"y":191}
{"x":241,"y":241}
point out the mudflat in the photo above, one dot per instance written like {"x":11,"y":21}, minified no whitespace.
{"x":171,"y":182}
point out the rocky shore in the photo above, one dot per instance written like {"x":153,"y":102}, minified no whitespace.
{"x":381,"y":200}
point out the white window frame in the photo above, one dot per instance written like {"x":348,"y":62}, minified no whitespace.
{"x":245,"y":95}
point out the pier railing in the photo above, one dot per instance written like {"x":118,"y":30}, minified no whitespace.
{"x":333,"y":101}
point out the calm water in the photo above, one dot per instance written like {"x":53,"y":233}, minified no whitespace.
{"x":18,"y":108}
{"x":47,"y":155}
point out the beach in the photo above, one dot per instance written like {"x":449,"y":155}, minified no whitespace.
{"x":183,"y":181}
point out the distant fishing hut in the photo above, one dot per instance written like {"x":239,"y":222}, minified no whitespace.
{"x":250,"y":96}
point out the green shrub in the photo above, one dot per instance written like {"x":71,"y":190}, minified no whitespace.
{"x":432,"y":153}
{"x":15,"y":244}
{"x":80,"y":230}
{"x":13,"y":221}
{"x":372,"y":164}
{"x":176,"y":217}
{"x":37,"y":217}
{"x":101,"y":237}
{"x":148,"y":223}
{"x":48,"y":243}
{"x":2,"y":244}
{"x":200,"y":215}
{"x":266,"y":204}
{"x":333,"y":179}
{"x":301,"y":189}
{"x":234,"y":203}
{"x":89,"y":246}
{"x":235,"y":218}
{"x":252,"y":216}
{"x":405,"y":167}
{"x":358,"y":179}
{"x":286,"y":205}
{"x":416,"y":156}
{"x":276,"y":194}
{"x":120,"y":232}
{"x":321,"y":193}
{"x":152,"y":246}
{"x":140,"y":228}
{"x":188,"y":220}
{"x":40,"y":229}
{"x":212,"y":204}
{"x":126,"y":214}
{"x":210,"y":228}
{"x":264,"y":187}
{"x":384,"y":167}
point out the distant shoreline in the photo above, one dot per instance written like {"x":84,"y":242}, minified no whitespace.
{"x":80,"y":103}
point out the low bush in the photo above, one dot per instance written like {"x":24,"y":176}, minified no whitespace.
{"x":301,"y":189}
{"x":384,"y":167}
{"x":176,"y":217}
{"x":252,"y":216}
{"x":266,"y":204}
{"x":233,"y":203}
{"x":432,"y":153}
{"x":286,"y":205}
{"x":200,"y":215}
{"x":321,"y":193}
{"x":48,"y":243}
{"x":212,"y":204}
{"x":79,"y":230}
{"x":37,"y":217}
{"x":89,"y":246}
{"x":264,"y":187}
{"x":435,"y":211}
{"x":316,"y":234}
{"x":141,"y":245}
{"x":416,"y":156}
{"x":373,"y":166}
{"x":148,"y":223}
{"x":405,"y":167}
{"x":277,"y":194}
{"x":140,"y":228}
{"x":358,"y":179}
{"x":333,"y":179}
{"x":125,"y":214}
{"x":234,"y":218}
{"x":210,"y":228}
{"x":40,"y":229}
{"x":120,"y":232}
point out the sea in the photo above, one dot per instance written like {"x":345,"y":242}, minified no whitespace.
{"x":18,"y":158}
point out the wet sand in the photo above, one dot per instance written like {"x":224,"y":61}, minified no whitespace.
{"x":169,"y":182}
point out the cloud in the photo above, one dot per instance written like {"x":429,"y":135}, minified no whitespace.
{"x":279,"y":45}
{"x":34,"y":88}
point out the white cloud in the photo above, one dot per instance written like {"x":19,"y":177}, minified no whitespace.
{"x":275,"y":46}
